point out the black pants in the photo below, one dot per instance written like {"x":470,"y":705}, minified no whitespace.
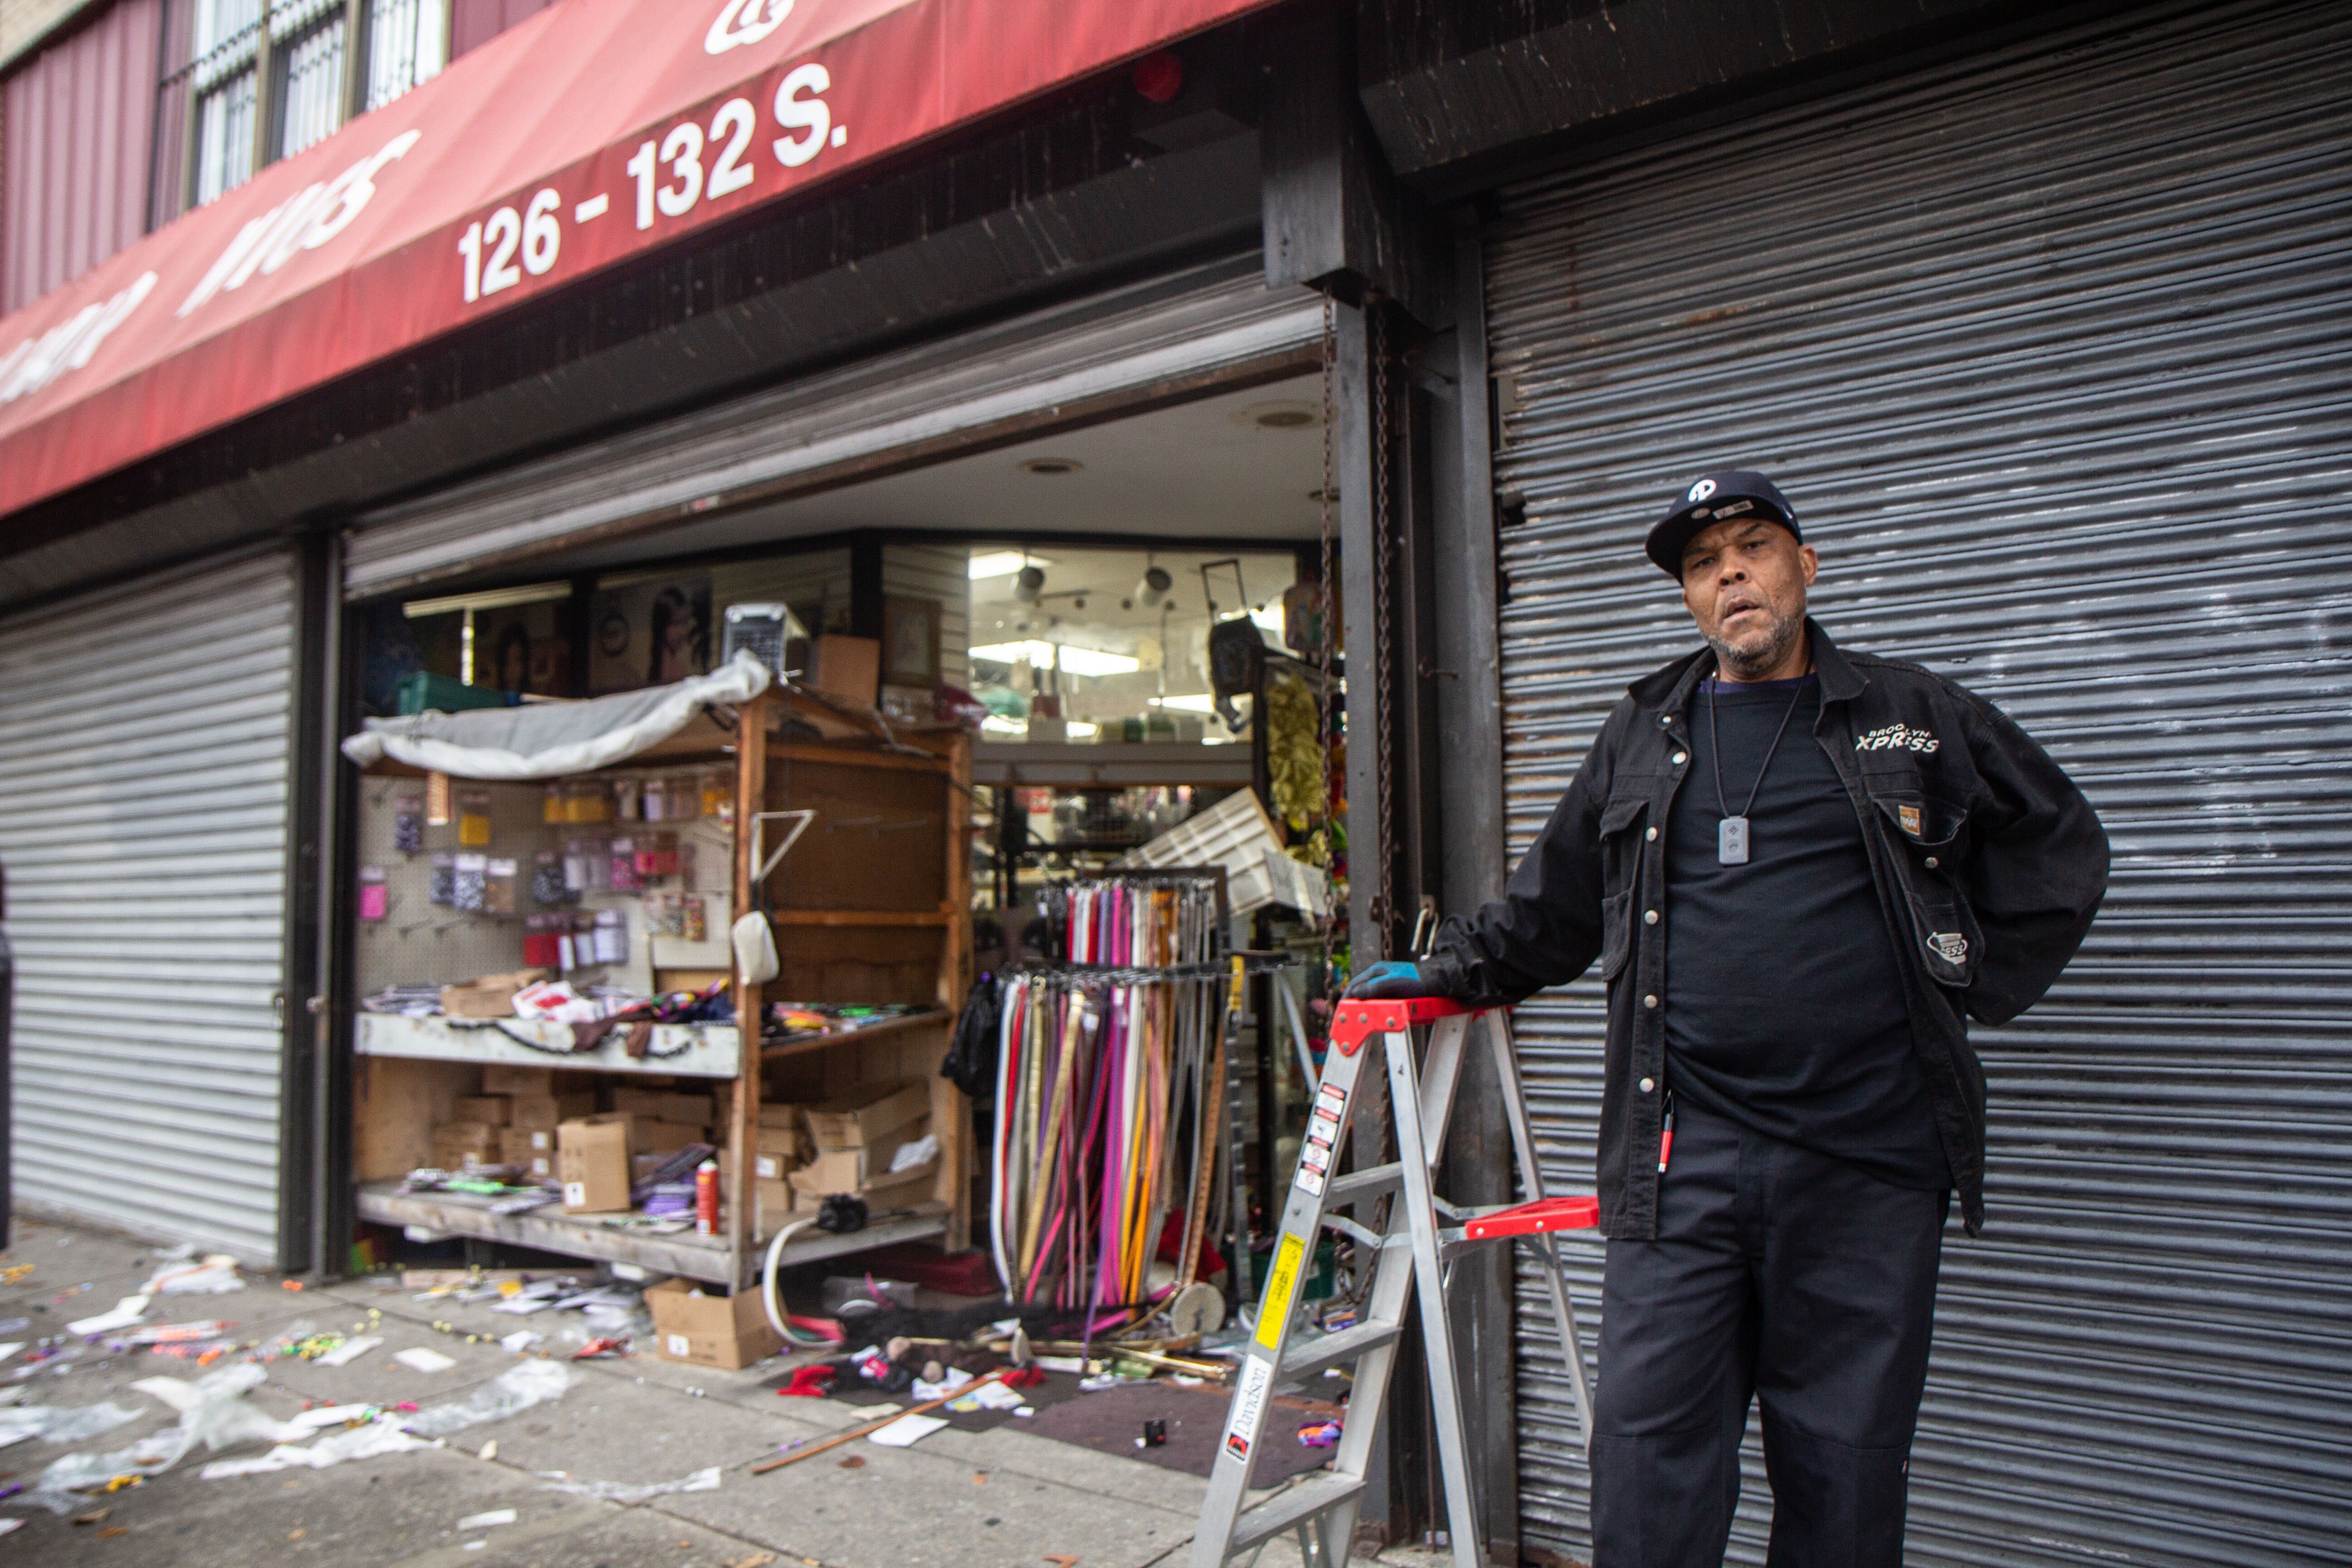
{"x":1778,"y":1273}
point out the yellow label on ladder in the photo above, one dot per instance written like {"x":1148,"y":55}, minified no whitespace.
{"x":1281,"y":1290}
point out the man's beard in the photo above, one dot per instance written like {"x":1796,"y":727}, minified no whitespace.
{"x":1758,"y":656}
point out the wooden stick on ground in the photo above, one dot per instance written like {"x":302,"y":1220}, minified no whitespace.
{"x":839,"y":1438}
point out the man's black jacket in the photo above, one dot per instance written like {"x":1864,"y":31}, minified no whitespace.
{"x":1988,"y":862}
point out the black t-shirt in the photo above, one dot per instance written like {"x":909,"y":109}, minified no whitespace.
{"x":1784,"y":1004}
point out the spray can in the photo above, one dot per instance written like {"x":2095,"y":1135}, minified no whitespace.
{"x":706,"y":1198}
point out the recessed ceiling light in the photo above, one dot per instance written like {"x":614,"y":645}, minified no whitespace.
{"x":1289,"y":415}
{"x":1050,"y":465}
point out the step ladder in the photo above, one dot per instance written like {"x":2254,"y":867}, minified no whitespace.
{"x":1412,"y":1245}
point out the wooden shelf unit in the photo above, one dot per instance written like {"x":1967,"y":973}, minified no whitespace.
{"x":869,"y":907}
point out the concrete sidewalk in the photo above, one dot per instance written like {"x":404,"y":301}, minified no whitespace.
{"x":1002,"y":1499}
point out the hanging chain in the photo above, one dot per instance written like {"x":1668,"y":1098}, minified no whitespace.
{"x":1385,"y":918}
{"x":1327,"y":699}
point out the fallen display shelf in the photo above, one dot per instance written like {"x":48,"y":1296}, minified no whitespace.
{"x":701,"y":1050}
{"x":681,"y":1253}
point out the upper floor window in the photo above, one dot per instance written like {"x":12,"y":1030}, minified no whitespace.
{"x":266,"y":78}
{"x":223,"y":80}
{"x":407,"y":43}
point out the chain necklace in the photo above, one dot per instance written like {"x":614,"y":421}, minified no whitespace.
{"x":1731,"y":833}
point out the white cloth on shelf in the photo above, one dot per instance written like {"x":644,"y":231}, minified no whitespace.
{"x":550,"y":739}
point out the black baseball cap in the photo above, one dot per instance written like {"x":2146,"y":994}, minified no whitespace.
{"x":1711,"y":498}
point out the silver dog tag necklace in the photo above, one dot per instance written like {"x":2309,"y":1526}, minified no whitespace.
{"x":1731,"y":833}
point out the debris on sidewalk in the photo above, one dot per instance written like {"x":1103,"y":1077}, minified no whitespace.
{"x":350,"y":1351}
{"x":215,"y":1274}
{"x":906,"y":1431}
{"x":129,"y":1310}
{"x":60,"y":1423}
{"x":418,"y":1359}
{"x":512,"y":1392}
{"x":484,"y":1520}
{"x":381,"y":1436}
{"x":212,"y":1411}
{"x":627,"y":1495}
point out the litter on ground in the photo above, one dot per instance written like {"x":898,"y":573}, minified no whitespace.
{"x":622,"y":1492}
{"x":510,"y":1393}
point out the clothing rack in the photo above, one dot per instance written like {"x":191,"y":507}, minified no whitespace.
{"x":1115,"y":1079}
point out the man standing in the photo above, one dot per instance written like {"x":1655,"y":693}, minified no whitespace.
{"x":1803,"y":870}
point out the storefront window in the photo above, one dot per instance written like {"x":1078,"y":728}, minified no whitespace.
{"x":1112,"y":646}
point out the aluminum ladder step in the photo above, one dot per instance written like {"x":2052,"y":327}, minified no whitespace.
{"x":1288,"y":1511}
{"x":1346,"y":1344}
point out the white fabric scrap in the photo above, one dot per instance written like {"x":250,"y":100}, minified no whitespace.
{"x":419,"y":1359}
{"x":127,"y":1312}
{"x":350,"y":1351}
{"x":484,"y":1520}
{"x":214,"y":1274}
{"x":380,"y":1436}
{"x":628,"y":1495}
{"x":921,"y":1152}
{"x":548,"y":739}
{"x":906,"y":1431}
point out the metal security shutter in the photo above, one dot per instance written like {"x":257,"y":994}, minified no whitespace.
{"x":2051,"y":348}
{"x":143,"y":752}
{"x":1211,"y":325}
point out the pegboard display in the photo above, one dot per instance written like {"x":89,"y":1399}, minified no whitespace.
{"x":405,"y":938}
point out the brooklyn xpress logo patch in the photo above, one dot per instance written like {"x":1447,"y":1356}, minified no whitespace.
{"x":1897,"y":738}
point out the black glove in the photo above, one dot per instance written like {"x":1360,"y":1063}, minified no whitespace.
{"x":1390,"y":980}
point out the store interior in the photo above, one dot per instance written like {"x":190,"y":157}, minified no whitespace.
{"x":1084,"y":646}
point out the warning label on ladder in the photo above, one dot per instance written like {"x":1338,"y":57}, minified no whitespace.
{"x":1281,"y":1291}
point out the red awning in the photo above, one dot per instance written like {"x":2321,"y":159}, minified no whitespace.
{"x":591,"y":132}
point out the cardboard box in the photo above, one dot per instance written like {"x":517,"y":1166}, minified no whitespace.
{"x":861,"y":1170}
{"x":591,"y":1161}
{"x":499,"y":1079}
{"x":706,"y":1330}
{"x":448,"y":1156}
{"x":468,"y":1134}
{"x":811,"y":1184}
{"x":651,"y":1137}
{"x":548,"y":1111}
{"x":846,"y":666}
{"x":621,"y":1119}
{"x":693,"y":1109}
{"x":860,"y":1122}
{"x":788,"y":1115}
{"x":531,"y":1151}
{"x":775,"y":1151}
{"x":489,"y":996}
{"x":490,"y":1109}
{"x":775,"y":1197}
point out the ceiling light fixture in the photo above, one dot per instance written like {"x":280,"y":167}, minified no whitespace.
{"x":1029,"y":584}
{"x":1284,"y":416}
{"x":1003,"y":562}
{"x":1050,"y":466}
{"x":1153,"y":586}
